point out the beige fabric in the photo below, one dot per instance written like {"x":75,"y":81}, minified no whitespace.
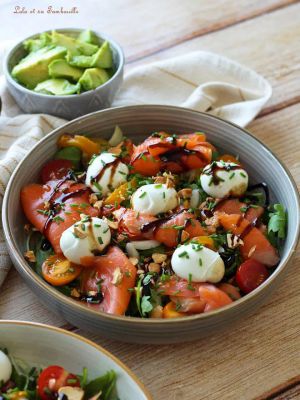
{"x":201,"y":81}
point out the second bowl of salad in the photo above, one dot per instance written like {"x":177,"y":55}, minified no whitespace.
{"x":153,"y":221}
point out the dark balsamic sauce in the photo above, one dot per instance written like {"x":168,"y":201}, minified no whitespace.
{"x":113,"y":164}
{"x":215,"y":167}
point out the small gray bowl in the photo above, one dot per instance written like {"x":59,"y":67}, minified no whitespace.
{"x":71,"y":106}
{"x":138,"y":122}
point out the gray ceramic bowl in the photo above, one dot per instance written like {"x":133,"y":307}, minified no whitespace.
{"x":137,"y":122}
{"x":43,"y":345}
{"x":70,"y":106}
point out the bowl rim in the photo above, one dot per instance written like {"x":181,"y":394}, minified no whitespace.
{"x":67,"y":301}
{"x":83,"y":339}
{"x":20,"y":87}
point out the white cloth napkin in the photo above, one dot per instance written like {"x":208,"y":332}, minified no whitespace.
{"x":200,"y":80}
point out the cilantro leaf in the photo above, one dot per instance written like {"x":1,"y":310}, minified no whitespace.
{"x":146,"y":305}
{"x":278,"y":221}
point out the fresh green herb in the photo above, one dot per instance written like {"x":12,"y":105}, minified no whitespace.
{"x":100,"y":240}
{"x":122,"y":173}
{"x":184,"y":254}
{"x":58,"y":219}
{"x":178,"y":227}
{"x":200,"y":262}
{"x":106,"y":230}
{"x":277,"y":223}
{"x":243,"y":175}
{"x":142,"y":195}
{"x":158,"y":186}
{"x":164,"y":195}
{"x":231,"y":175}
{"x":190,"y":284}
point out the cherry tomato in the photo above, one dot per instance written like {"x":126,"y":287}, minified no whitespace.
{"x":59,"y":271}
{"x":53,"y":378}
{"x":250,"y":275}
{"x":55,"y":169}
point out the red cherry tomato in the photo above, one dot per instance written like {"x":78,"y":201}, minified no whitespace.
{"x":55,"y":169}
{"x":250,"y":275}
{"x":53,"y":378}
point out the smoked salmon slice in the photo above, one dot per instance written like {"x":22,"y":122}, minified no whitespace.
{"x":256,"y":245}
{"x":34,"y":197}
{"x":115,"y":275}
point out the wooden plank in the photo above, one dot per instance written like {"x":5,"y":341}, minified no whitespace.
{"x":253,"y":357}
{"x":286,"y":391}
{"x":142,"y":27}
{"x":268,"y":44}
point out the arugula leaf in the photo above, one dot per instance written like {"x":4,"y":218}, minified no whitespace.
{"x":278,"y":221}
{"x":146,"y":305}
{"x":104,"y":384}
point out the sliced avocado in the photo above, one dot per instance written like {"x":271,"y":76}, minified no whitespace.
{"x":74,"y":46}
{"x":93,"y":77}
{"x":88,"y":36}
{"x":103,"y":58}
{"x":61,"y":69}
{"x":80,"y":61}
{"x":33,"y":69}
{"x":71,"y":153}
{"x":36,"y":44}
{"x":60,"y":87}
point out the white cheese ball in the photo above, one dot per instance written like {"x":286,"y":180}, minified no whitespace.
{"x":111,"y":170}
{"x":85,"y":238}
{"x":230,"y":179}
{"x":5,"y":367}
{"x":197,"y":263}
{"x":154,"y":199}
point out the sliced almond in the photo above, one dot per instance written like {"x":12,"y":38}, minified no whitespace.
{"x":47,"y":205}
{"x":30,"y":256}
{"x":154,"y":267}
{"x":157,"y":312}
{"x":185,"y":193}
{"x":159,"y":258}
{"x":93,"y":198}
{"x":79,"y":232}
{"x":117,"y":277}
{"x":75,"y":293}
{"x":112,"y":224}
{"x":134,"y":261}
{"x":98,"y":204}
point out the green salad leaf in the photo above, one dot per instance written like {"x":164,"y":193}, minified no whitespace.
{"x":105,"y":384}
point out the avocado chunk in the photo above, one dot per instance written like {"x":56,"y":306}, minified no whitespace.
{"x":74,"y":46}
{"x":36,"y":44}
{"x":33,"y":69}
{"x":61,"y":69}
{"x":70,"y":153}
{"x":103,"y":58}
{"x":89,"y":36}
{"x":80,"y":61}
{"x":59,"y":87}
{"x":92,"y":78}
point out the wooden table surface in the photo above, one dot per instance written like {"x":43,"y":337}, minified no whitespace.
{"x":260,"y":358}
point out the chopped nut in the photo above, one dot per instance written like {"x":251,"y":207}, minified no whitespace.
{"x":159,"y":258}
{"x":140,"y":271}
{"x":159,"y":179}
{"x":47,"y":205}
{"x":184,"y":236}
{"x":27,"y":228}
{"x":93,"y":198}
{"x":79,"y":232}
{"x":185,"y":193}
{"x":98,"y":204}
{"x":112,"y":224}
{"x":121,"y":237}
{"x":75,"y":293}
{"x":82,"y":176}
{"x":117,"y":276}
{"x":252,"y":250}
{"x":233,"y":241}
{"x":170,"y":183}
{"x":133,"y":260}
{"x":30,"y":256}
{"x":92,"y":293}
{"x":157,"y":312}
{"x":154,"y":267}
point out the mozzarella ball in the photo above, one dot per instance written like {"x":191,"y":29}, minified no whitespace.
{"x":222,"y":179}
{"x":105,"y":173}
{"x":5,"y":367}
{"x":85,"y":238}
{"x":154,"y":199}
{"x":197,"y":263}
